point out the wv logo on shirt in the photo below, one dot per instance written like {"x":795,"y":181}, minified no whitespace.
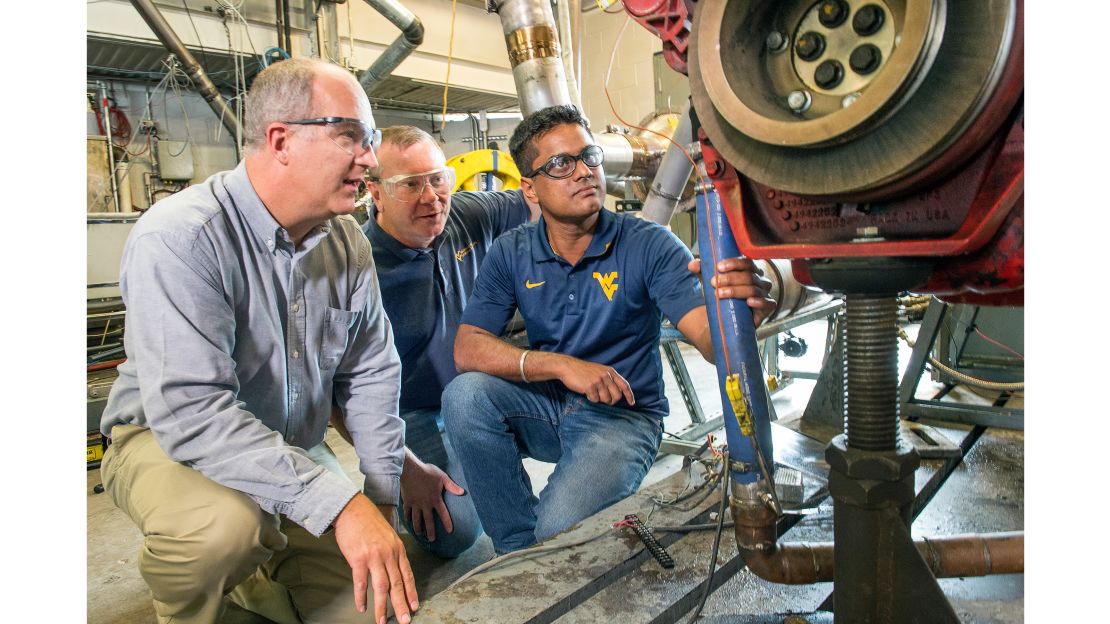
{"x":608,"y":286}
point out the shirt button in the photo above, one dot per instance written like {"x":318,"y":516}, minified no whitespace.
{"x":270,"y":243}
{"x":296,"y":354}
{"x":572,"y":296}
{"x":296,"y":307}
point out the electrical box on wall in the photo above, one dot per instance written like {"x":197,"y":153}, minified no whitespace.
{"x":175,"y":160}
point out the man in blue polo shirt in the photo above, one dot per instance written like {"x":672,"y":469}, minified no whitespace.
{"x":592,"y":287}
{"x":428,"y":245}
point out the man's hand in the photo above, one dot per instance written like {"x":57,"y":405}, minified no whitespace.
{"x":600,"y":383}
{"x":422,"y":487}
{"x":740,"y":278}
{"x":377,"y":557}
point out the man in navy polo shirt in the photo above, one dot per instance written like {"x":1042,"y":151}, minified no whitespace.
{"x":428,"y":245}
{"x":592,"y":287}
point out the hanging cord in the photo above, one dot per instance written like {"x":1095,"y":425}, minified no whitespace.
{"x":447,"y":80}
{"x":350,"y":37}
{"x":173,"y":67}
{"x":716,"y":541}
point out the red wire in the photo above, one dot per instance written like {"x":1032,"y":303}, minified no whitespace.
{"x":998,"y":344}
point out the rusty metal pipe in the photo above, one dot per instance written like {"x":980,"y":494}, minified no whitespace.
{"x":802,"y":563}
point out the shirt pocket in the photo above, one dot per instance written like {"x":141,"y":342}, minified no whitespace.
{"x":337,"y":328}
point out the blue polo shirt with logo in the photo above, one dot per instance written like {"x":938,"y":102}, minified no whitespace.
{"x":424,"y":291}
{"x":607,"y":308}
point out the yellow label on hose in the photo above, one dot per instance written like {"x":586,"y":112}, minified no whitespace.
{"x":739,"y":405}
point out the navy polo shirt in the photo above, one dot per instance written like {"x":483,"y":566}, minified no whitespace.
{"x":424,"y":291}
{"x":607,"y":308}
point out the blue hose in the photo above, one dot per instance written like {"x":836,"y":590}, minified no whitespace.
{"x":740,"y":342}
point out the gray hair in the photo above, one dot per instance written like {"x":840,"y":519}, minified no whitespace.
{"x":281,"y":91}
{"x":402,"y":137}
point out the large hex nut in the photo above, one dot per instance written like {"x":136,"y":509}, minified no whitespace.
{"x":877,"y":465}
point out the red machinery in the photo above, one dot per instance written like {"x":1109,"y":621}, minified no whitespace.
{"x":825,"y":139}
{"x":878,"y":144}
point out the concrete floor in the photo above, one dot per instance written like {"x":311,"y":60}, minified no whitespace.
{"x":116,"y":594}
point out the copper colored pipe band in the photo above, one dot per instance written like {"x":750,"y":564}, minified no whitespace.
{"x":801,"y":563}
{"x":532,"y":42}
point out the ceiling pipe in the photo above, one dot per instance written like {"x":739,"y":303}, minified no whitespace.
{"x":567,"y":52}
{"x":412,"y":35}
{"x":157,"y":22}
{"x":532,"y":42}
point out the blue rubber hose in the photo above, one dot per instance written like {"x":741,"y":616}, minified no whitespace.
{"x":715,"y":243}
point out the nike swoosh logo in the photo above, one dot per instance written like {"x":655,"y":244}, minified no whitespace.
{"x":530,"y":285}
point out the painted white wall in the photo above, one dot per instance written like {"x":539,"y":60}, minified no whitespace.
{"x":631,"y":83}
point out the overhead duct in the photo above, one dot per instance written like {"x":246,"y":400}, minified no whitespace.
{"x":412,"y":35}
{"x":157,"y":22}
{"x":533,"y":45}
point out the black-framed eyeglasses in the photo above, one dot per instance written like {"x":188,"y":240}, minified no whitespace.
{"x":346,"y":132}
{"x":562,"y":166}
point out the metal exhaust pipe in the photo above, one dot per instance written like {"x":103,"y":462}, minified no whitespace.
{"x":412,"y":35}
{"x":533,"y":45}
{"x":157,"y":22}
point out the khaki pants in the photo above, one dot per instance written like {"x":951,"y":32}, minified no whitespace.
{"x":203,"y":540}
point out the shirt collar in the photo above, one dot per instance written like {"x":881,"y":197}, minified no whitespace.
{"x":380,"y":238}
{"x":258,"y":217}
{"x":604,"y":234}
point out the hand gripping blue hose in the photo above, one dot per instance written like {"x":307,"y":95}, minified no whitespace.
{"x":739,"y":373}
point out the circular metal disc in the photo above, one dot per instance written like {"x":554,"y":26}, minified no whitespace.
{"x":945,"y":67}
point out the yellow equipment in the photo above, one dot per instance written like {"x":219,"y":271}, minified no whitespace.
{"x":494,"y":162}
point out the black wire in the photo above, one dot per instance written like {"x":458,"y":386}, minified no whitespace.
{"x":716,"y":543}
{"x":200,"y":42}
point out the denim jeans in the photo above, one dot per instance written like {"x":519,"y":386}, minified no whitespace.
{"x":424,"y":437}
{"x":601,"y":454}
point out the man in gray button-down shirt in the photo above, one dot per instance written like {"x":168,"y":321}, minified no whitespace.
{"x":252,"y":306}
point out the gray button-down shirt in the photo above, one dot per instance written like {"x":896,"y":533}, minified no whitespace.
{"x":237,"y":343}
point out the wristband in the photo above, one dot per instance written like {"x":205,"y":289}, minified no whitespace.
{"x":523,"y":356}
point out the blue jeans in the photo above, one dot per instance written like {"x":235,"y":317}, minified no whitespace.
{"x":601,"y":454}
{"x":424,"y":437}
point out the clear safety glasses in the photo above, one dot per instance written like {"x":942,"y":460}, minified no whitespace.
{"x":353,"y":136}
{"x":409,"y":187}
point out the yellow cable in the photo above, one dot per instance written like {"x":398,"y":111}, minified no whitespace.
{"x":447,"y":80}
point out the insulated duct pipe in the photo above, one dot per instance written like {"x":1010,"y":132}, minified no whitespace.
{"x":567,"y":51}
{"x":740,"y":378}
{"x":157,"y":22}
{"x":533,"y":45}
{"x":412,"y":35}
{"x":949,"y":556}
{"x":674,"y":172}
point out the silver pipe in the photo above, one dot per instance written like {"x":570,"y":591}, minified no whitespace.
{"x":566,"y":53}
{"x":674,"y":172}
{"x":533,"y":46}
{"x":157,"y":23}
{"x":110,"y":145}
{"x":575,"y":7}
{"x":412,"y":35}
{"x":619,"y":154}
